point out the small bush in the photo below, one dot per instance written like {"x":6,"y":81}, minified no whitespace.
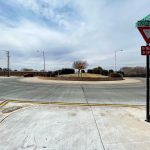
{"x":48,"y":74}
{"x":89,"y":71}
{"x":110,"y":71}
{"x":97,"y":70}
{"x":116,"y":75}
{"x":54,"y":74}
{"x":82,"y":71}
{"x":105,"y":72}
{"x":67,"y":71}
{"x":121,"y":72}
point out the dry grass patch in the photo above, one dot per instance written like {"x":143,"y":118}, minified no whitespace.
{"x":84,"y":75}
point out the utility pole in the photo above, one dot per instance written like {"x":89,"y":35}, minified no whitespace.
{"x":43,"y":59}
{"x":8,"y":63}
{"x":116,"y":58}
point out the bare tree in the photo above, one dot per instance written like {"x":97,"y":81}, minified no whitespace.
{"x":80,"y":65}
{"x":134,"y":70}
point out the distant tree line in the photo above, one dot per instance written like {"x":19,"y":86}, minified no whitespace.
{"x":100,"y":70}
{"x":125,"y":71}
{"x":134,"y":71}
{"x":81,"y":66}
{"x":60,"y":72}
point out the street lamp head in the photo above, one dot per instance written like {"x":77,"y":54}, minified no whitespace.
{"x":119,"y":50}
{"x":40,"y":51}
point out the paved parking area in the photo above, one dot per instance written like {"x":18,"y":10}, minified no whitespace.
{"x":53,"y":127}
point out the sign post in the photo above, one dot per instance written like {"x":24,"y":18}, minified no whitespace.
{"x":147,"y":107}
{"x":144,"y":28}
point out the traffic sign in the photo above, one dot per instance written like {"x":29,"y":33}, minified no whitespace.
{"x":144,"y":28}
{"x":145,"y":50}
{"x":145,"y":31}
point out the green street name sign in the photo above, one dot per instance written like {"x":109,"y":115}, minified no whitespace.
{"x":144,"y":22}
{"x":144,"y":28}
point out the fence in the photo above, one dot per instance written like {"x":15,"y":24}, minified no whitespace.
{"x":21,"y":73}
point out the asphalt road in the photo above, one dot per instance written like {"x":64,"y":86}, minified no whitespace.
{"x":133,"y":93}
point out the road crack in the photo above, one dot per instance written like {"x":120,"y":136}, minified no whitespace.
{"x":99,"y":133}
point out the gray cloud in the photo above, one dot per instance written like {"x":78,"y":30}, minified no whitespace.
{"x":72,"y":30}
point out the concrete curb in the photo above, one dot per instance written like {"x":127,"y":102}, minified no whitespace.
{"x":3,"y":103}
{"x":37,"y":80}
{"x":73,"y":104}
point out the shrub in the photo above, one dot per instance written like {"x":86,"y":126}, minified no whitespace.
{"x":89,"y":71}
{"x":97,"y":70}
{"x":67,"y":71}
{"x":121,"y":72}
{"x":49,"y":74}
{"x":116,"y":75}
{"x":82,"y":71}
{"x":60,"y":72}
{"x":54,"y":74}
{"x":105,"y":72}
{"x":111,"y":71}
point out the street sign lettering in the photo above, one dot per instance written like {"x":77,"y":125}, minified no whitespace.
{"x":145,"y":52}
{"x":145,"y":48}
{"x":145,"y":22}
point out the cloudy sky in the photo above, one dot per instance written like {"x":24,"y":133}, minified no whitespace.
{"x":69,"y":30}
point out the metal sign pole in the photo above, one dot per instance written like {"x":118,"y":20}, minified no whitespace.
{"x":8,"y":63}
{"x":144,"y":28}
{"x":147,"y":89}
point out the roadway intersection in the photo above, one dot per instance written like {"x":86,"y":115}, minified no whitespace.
{"x":132,"y":93}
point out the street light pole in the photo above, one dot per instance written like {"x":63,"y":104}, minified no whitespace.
{"x":116,"y":58}
{"x":43,"y":59}
{"x":8,"y":62}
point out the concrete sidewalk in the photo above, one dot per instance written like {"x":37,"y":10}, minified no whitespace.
{"x":50,"y":127}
